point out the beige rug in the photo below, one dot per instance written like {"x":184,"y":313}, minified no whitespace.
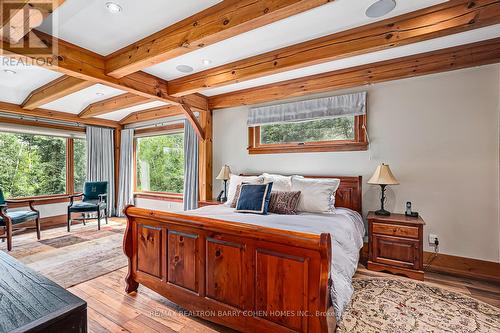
{"x":403,"y":305}
{"x":75,"y":257}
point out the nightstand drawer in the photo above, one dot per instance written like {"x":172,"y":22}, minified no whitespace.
{"x":399,"y":252}
{"x":395,"y":230}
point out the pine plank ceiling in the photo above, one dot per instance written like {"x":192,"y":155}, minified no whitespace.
{"x":227,"y":46}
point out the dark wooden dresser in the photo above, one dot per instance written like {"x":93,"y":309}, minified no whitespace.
{"x":396,"y":244}
{"x":29,"y":302}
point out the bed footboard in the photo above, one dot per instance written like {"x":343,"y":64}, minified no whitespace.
{"x":249,"y":278}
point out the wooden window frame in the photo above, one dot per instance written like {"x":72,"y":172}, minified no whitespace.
{"x":360,"y":142}
{"x":155,"y":131}
{"x":45,"y":199}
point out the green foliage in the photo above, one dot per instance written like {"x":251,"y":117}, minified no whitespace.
{"x":80,"y":163}
{"x":309,"y":131}
{"x":32,"y":165}
{"x":160,"y":163}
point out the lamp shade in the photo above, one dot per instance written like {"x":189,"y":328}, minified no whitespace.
{"x":225,"y":173}
{"x":383,"y":176}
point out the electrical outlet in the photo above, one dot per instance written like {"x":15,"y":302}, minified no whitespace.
{"x":432,"y":239}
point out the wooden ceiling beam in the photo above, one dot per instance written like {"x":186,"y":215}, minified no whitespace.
{"x":476,"y":54}
{"x":56,"y":115}
{"x":224,"y":20}
{"x":113,"y":104}
{"x":445,"y":19}
{"x":195,"y":123}
{"x":152,"y":114}
{"x":54,"y":90}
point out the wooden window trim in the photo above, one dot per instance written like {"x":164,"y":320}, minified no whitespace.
{"x":360,"y":142}
{"x":165,"y":196}
{"x":70,"y":186}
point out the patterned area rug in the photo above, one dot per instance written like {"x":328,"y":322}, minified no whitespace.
{"x":402,"y":305}
{"x":75,"y":257}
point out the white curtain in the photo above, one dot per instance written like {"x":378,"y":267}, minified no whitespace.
{"x":100,"y":160}
{"x":328,"y":107}
{"x":190,"y":167}
{"x":125,"y":181}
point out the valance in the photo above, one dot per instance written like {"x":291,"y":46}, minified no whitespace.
{"x":328,"y":107}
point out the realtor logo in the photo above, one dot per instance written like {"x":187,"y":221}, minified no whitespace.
{"x":21,"y":39}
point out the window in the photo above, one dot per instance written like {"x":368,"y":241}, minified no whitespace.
{"x":80,"y":164}
{"x":32,"y":165}
{"x":336,"y":134}
{"x":160,"y":163}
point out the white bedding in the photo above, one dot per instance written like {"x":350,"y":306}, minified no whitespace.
{"x":345,"y":226}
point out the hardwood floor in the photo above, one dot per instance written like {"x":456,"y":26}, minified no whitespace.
{"x":110,"y":309}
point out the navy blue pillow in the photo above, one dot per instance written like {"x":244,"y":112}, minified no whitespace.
{"x":254,"y":198}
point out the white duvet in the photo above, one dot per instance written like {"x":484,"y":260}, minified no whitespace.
{"x":345,"y":227}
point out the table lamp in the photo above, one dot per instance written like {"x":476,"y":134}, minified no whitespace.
{"x":224,"y":174}
{"x":383,"y":177}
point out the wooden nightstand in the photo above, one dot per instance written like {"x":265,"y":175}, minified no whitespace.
{"x":209,"y":203}
{"x":396,"y":244}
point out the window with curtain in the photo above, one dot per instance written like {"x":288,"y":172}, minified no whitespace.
{"x":160,"y":163}
{"x":80,"y":164}
{"x":335,"y":123}
{"x":32,"y":165}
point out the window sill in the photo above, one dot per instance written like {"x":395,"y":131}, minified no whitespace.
{"x":38,"y":200}
{"x":308,"y":148}
{"x":173,"y":197}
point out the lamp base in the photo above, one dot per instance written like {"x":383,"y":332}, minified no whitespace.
{"x":382,"y":212}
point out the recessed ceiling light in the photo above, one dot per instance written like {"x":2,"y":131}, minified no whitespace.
{"x":113,"y":7}
{"x":9,"y":71}
{"x":184,"y":68}
{"x":380,"y":8}
{"x":99,"y":94}
{"x":206,"y":62}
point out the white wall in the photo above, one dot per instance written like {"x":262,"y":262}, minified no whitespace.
{"x":162,"y":205}
{"x":440,"y":135}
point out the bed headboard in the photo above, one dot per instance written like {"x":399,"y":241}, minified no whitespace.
{"x":349,"y":192}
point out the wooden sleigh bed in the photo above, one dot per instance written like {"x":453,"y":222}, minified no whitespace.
{"x":225,"y":271}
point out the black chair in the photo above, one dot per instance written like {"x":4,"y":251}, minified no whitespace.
{"x":9,"y":219}
{"x":94,"y":201}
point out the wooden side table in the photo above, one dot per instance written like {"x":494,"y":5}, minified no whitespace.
{"x":209,"y":203}
{"x":396,"y":244}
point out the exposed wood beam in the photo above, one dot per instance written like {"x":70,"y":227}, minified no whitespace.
{"x":152,"y":114}
{"x":476,"y":54}
{"x":166,"y":128}
{"x":33,"y":123}
{"x":224,"y":20}
{"x":49,"y":114}
{"x":191,"y":117}
{"x":440,"y":20}
{"x":205,"y":157}
{"x":113,"y":104}
{"x":54,"y":90}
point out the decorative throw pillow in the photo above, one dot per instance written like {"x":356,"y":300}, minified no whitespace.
{"x":318,"y":194}
{"x":280,"y":182}
{"x":284,"y":202}
{"x":254,"y":198}
{"x":236,"y":195}
{"x":235,"y":180}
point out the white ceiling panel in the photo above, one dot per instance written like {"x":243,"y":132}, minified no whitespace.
{"x":77,"y":101}
{"x":87,"y":23}
{"x":339,"y":15}
{"x":401,"y":51}
{"x":122,"y":113}
{"x":17,"y":80}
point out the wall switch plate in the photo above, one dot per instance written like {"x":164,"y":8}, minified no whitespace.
{"x":432,"y":238}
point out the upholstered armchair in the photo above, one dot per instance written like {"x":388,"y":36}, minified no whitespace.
{"x":94,"y":200}
{"x":8,"y":219}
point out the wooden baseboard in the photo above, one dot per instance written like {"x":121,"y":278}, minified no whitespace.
{"x":45,"y":223}
{"x":454,"y":265}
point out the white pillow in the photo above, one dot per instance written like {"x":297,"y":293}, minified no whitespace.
{"x":235,"y":180}
{"x":317,"y":194}
{"x":280,"y":182}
